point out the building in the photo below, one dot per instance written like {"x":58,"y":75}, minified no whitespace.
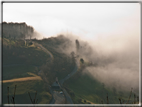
{"x":56,"y":85}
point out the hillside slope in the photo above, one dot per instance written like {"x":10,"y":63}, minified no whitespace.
{"x":22,"y":58}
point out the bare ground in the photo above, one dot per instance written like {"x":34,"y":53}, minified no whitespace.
{"x":22,"y":79}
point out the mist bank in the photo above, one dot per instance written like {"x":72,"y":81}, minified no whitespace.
{"x":115,"y":59}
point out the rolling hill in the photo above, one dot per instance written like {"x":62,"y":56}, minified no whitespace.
{"x":21,"y":58}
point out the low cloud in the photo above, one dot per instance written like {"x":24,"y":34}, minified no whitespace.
{"x":115,"y":59}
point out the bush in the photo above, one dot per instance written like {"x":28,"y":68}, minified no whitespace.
{"x":30,"y":43}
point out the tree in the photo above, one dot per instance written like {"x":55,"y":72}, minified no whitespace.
{"x":82,"y":61}
{"x":73,"y":57}
{"x":77,"y":45}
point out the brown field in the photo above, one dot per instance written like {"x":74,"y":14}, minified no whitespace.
{"x":22,"y":79}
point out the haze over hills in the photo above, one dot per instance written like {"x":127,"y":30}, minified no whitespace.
{"x":116,"y":63}
{"x":103,"y":66}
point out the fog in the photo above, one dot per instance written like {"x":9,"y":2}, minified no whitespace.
{"x":115,"y":58}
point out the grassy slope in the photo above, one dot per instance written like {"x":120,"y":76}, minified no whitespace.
{"x":83,"y":86}
{"x":18,"y":60}
{"x":21,"y":54}
{"x":86,"y":88}
{"x":29,"y":59}
{"x":18,"y":71}
{"x":21,"y":96}
{"x":61,"y":65}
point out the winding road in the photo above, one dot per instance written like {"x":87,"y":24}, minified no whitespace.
{"x":44,"y":49}
{"x":69,"y":75}
{"x":67,"y":96}
{"x":56,"y":97}
{"x":59,"y":98}
{"x":43,"y":76}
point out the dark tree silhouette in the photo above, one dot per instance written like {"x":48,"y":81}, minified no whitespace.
{"x":77,"y":46}
{"x":73,"y":56}
{"x":82,"y":61}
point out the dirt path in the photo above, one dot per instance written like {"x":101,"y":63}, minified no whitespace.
{"x":22,"y":79}
{"x":58,"y":98}
{"x":44,"y":49}
{"x":43,"y":76}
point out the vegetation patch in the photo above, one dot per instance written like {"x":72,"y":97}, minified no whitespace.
{"x":22,"y":89}
{"x":86,"y":88}
{"x":17,"y":53}
{"x":18,"y":72}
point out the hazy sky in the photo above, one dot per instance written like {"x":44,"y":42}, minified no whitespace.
{"x":86,"y":19}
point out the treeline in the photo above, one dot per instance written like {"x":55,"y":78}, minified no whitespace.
{"x":18,"y":31}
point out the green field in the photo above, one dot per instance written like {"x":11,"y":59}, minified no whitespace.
{"x":16,"y":52}
{"x":22,"y":97}
{"x":18,"y":71}
{"x":83,"y":87}
{"x":20,"y":60}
